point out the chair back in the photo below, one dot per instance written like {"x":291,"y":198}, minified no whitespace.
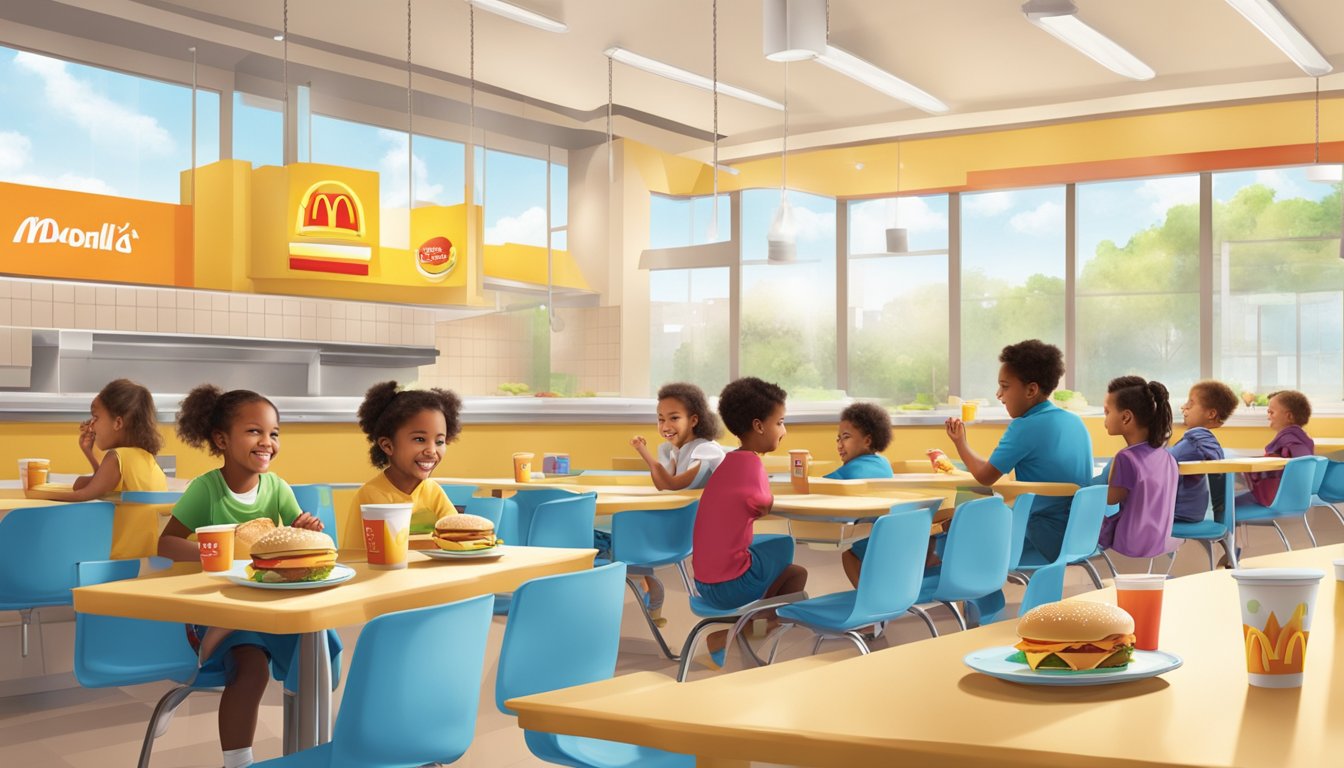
{"x":151,"y":497}
{"x":488,"y":507}
{"x":40,"y":548}
{"x":1083,"y":530}
{"x":315,"y":499}
{"x":976,"y":557}
{"x":653,"y":537}
{"x":111,"y":651}
{"x":1046,"y":586}
{"x":1296,"y":483}
{"x":564,"y":522}
{"x":515,"y":523}
{"x":563,"y":630}
{"x":395,"y":711}
{"x":459,"y":495}
{"x":893,"y":568}
{"x":1021,"y":513}
{"x":1322,"y":464}
{"x":1332,"y":482}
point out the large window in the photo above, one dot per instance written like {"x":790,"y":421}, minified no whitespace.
{"x":1138,"y":283}
{"x":788,"y":310}
{"x":439,"y":165}
{"x":77,"y":127}
{"x":688,"y":310}
{"x":258,"y":129}
{"x":1012,"y":278}
{"x":515,"y":199}
{"x":675,"y":222}
{"x":1278,"y":281}
{"x":898,"y":314}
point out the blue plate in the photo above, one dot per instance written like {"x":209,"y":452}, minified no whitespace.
{"x":994,"y":662}
{"x":339,"y":574}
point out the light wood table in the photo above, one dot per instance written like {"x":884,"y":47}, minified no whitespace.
{"x":773,"y":464}
{"x":496,"y":486}
{"x":817,"y":507}
{"x":610,"y":503}
{"x":1327,"y":446}
{"x":1010,"y":489}
{"x":1229,"y":468}
{"x":183,"y":594}
{"x":917,"y":704}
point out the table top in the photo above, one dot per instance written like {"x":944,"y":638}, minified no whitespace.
{"x":1328,"y":445}
{"x":918,"y":704}
{"x":820,"y":505}
{"x":603,"y":485}
{"x":1237,"y":464}
{"x":183,"y":594}
{"x":611,"y":503}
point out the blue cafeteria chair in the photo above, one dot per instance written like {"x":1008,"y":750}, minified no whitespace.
{"x":565,"y":522}
{"x":1081,"y":533}
{"x":1220,"y":527}
{"x":459,"y":495}
{"x":315,"y":499}
{"x":151,"y":497}
{"x":888,"y":584}
{"x":1293,"y":499}
{"x":975,"y":560}
{"x":564,"y":631}
{"x":515,"y":522}
{"x":648,"y":539}
{"x":393,"y":714}
{"x":1331,"y":491}
{"x":489,"y":507}
{"x":39,"y":557}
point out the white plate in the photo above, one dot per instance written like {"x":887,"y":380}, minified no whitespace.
{"x":339,"y":573}
{"x":479,"y":554}
{"x":994,"y":662}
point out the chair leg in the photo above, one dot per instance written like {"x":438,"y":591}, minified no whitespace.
{"x":956,"y":613}
{"x":289,"y":739}
{"x":816,"y":646}
{"x":692,"y":641}
{"x":1310,"y":535}
{"x":1229,"y":547}
{"x":648,"y":618}
{"x":928,"y":620}
{"x":774,"y":646}
{"x":1335,"y":508}
{"x":159,"y":720}
{"x":1107,"y":557}
{"x":1018,"y":578}
{"x":858,"y":641}
{"x":1091,"y":571}
{"x":25,"y":618}
{"x":1287,"y":547}
{"x":685,"y":578}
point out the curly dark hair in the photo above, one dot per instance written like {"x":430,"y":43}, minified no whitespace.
{"x":1150,"y":403}
{"x":385,"y":409}
{"x":746,"y":400}
{"x":207,"y":409}
{"x":693,"y":399}
{"x":1035,"y":361}
{"x":872,"y":420}
{"x":135,"y":406}
{"x":1296,"y":403}
{"x":1218,"y":396}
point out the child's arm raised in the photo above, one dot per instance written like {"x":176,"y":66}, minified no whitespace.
{"x":983,"y":472}
{"x":662,"y":479}
{"x":100,"y":483}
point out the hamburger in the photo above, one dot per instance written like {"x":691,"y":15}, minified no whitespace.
{"x":249,"y":533}
{"x":464,"y":533}
{"x":1076,"y":635}
{"x":292,"y":554}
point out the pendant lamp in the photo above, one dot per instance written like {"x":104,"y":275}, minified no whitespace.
{"x":898,"y":237}
{"x":793,"y":30}
{"x":782,"y":239}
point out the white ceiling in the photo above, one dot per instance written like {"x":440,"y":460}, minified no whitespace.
{"x":981,"y":57}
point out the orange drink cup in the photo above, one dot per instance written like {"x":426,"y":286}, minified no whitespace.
{"x":800,"y":460}
{"x":387,"y":532}
{"x":968,"y":410}
{"x":216,"y":542}
{"x":1277,"y":605}
{"x":33,"y":472}
{"x":1140,"y":595}
{"x":522,"y":467}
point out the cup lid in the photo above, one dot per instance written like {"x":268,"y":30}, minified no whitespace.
{"x":1283,"y":575}
{"x":384,"y":507}
{"x":523,"y":453}
{"x":1141,"y":580}
{"x":217,"y":528}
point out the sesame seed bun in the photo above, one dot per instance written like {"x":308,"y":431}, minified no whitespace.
{"x":249,"y":533}
{"x":288,"y":541}
{"x":463,"y":523}
{"x":1074,"y":621}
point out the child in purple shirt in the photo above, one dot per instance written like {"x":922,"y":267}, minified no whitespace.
{"x":1288,"y":413}
{"x":1208,"y":407}
{"x":1143,"y":475}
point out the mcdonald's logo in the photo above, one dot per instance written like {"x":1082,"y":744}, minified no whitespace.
{"x":330,"y":209}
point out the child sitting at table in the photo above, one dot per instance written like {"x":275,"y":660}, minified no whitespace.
{"x":1288,"y":412}
{"x":864,"y":432}
{"x":1143,"y":476}
{"x":733,"y":568}
{"x":686,"y":459}
{"x":124,"y":426}
{"x":407,"y":432}
{"x":243,"y":428}
{"x":1207,"y":408}
{"x":1043,"y":443}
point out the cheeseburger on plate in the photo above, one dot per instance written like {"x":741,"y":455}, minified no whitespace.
{"x":1076,"y":635}
{"x":292,"y":554}
{"x":464,"y":533}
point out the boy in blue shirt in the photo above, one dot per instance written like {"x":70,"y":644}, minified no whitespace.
{"x":1209,"y":405}
{"x":1043,"y":443}
{"x":864,"y":432}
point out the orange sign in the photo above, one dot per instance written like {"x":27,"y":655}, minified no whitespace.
{"x":81,"y":236}
{"x":330,"y":228}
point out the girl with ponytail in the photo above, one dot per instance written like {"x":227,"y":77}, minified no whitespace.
{"x":1143,"y":476}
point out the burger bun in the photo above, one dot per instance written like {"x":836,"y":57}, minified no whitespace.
{"x":1074,"y":621}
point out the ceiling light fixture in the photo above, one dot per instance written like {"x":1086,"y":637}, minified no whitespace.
{"x":879,"y":79}
{"x":277,"y":37}
{"x":653,"y":66}
{"x":520,"y":15}
{"x":898,"y":237}
{"x":1273,"y":24}
{"x":1060,"y":19}
{"x":793,"y":30}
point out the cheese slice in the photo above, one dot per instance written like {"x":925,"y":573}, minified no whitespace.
{"x":310,"y":561}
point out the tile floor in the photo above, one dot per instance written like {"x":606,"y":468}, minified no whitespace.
{"x":98,"y":728}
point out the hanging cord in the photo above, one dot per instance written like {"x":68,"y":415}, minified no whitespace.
{"x":611,"y":165}
{"x":715,"y":168}
{"x":784,"y":158}
{"x":410,"y":124}
{"x":471,"y":108}
{"x":1316,"y":158}
{"x":284,"y":74}
{"x":193,"y":131}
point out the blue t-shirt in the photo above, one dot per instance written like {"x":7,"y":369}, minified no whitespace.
{"x":1047,"y":444}
{"x":1192,"y":494}
{"x":869,"y":466}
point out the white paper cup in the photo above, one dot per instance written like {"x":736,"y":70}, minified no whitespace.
{"x":1277,"y":606}
{"x":387,"y":530}
{"x":1339,"y":570}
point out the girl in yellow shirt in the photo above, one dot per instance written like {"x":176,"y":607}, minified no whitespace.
{"x":124,"y":426}
{"x":408,"y":432}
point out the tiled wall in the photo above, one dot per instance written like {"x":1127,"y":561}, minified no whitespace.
{"x":16,"y":356}
{"x":46,"y":304}
{"x":478,"y":354}
{"x":589,"y":348}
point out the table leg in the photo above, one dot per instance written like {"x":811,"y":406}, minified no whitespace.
{"x":1230,"y":501}
{"x":313,"y":699}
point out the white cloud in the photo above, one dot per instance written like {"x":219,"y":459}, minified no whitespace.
{"x":1284,"y":186}
{"x":99,"y":115}
{"x":988,"y":203}
{"x":527,"y":228}
{"x":1045,"y":218}
{"x":811,"y":225}
{"x":1162,"y":194}
{"x":869,"y":221}
{"x":392,"y":174}
{"x":66,"y":181}
{"x":15,"y":151}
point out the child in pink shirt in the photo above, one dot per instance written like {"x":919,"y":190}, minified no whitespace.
{"x":732,"y":567}
{"x":1288,"y":413}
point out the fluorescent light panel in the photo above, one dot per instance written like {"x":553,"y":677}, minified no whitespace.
{"x":879,"y":79}
{"x":1273,"y":24}
{"x":653,"y":66}
{"x":1060,"y":19}
{"x":521,"y":15}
